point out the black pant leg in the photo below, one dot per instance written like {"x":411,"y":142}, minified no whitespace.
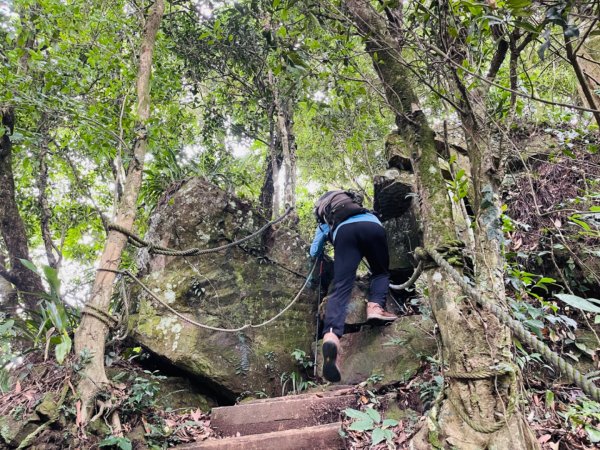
{"x":346,"y":261}
{"x":375,"y":246}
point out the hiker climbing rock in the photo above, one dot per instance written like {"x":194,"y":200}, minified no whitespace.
{"x":355,"y":233}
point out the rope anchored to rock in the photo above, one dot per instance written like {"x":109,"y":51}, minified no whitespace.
{"x":209,"y":327}
{"x":137,"y":241}
{"x":573,"y":375}
{"x":412,"y":280}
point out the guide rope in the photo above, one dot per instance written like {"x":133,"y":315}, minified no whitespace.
{"x":572,"y":374}
{"x":209,"y":327}
{"x":138,"y":242}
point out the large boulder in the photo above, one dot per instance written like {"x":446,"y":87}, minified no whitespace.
{"x":245,"y":284}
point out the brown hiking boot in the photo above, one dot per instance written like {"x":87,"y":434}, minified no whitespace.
{"x":376,"y":312}
{"x":331,"y":345}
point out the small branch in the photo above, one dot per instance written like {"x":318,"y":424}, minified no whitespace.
{"x":4,"y":273}
{"x":585,"y":35}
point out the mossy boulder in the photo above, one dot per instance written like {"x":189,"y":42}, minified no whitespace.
{"x":244,"y":284}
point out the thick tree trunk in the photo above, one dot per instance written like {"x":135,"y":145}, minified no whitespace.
{"x":12,"y":227}
{"x":588,"y":58}
{"x":91,"y":334}
{"x":471,"y":339}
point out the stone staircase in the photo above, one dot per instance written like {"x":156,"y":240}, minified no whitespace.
{"x":306,"y":421}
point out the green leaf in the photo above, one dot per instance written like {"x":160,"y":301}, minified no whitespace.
{"x":51,"y":275}
{"x":527,"y":26}
{"x":580,"y":303}
{"x":356,"y":414}
{"x":583,"y":224}
{"x":6,"y":326}
{"x":597,"y":320}
{"x":390,"y":423}
{"x":571,"y":31}
{"x":63,"y":349}
{"x":378,"y":436}
{"x":518,"y":4}
{"x":547,"y":280}
{"x":119,"y":442}
{"x":374,"y":414}
{"x":362,"y":425}
{"x":389,"y":436}
{"x":593,"y":433}
{"x":594,"y":208}
{"x":31,"y":266}
{"x":550,"y":399}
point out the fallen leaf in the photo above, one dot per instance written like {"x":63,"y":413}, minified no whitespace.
{"x":146,"y":427}
{"x":364,"y":399}
{"x":18,"y":387}
{"x":517,"y":243}
{"x":78,"y":414}
{"x":545,"y":438}
{"x":196,"y":415}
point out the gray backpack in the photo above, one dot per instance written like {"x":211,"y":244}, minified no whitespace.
{"x":334,"y":207}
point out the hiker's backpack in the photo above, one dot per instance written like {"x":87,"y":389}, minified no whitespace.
{"x":334,"y":207}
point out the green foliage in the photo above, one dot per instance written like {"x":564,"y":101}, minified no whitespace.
{"x":586,"y":415}
{"x":370,"y":420}
{"x":54,"y":322}
{"x":142,"y":391}
{"x":589,"y":304}
{"x":7,"y":333}
{"x":294,"y":383}
{"x":121,"y":443}
{"x":302,"y":359}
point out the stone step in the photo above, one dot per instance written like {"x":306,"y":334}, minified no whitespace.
{"x":282,"y":413}
{"x":307,"y":438}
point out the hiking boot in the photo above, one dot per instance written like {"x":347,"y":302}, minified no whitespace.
{"x":331,"y":344}
{"x":376,"y":312}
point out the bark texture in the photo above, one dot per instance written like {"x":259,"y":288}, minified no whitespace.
{"x":588,"y":59}
{"x":92,"y":332}
{"x":471,"y":339}
{"x":12,"y":227}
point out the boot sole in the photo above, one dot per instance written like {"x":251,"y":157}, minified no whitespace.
{"x":381,"y":319}
{"x":330,"y":370}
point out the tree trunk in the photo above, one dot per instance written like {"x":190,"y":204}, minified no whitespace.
{"x":8,"y":295}
{"x":91,"y":334}
{"x":588,"y":58}
{"x":42,"y":183}
{"x":288,"y":146}
{"x":287,"y":165}
{"x":471,"y":338}
{"x":12,"y":228}
{"x":267,"y":191}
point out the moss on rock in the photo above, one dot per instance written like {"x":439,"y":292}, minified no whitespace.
{"x":238,"y":286}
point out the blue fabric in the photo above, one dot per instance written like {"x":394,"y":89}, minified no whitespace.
{"x":322,"y":231}
{"x":318,"y":243}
